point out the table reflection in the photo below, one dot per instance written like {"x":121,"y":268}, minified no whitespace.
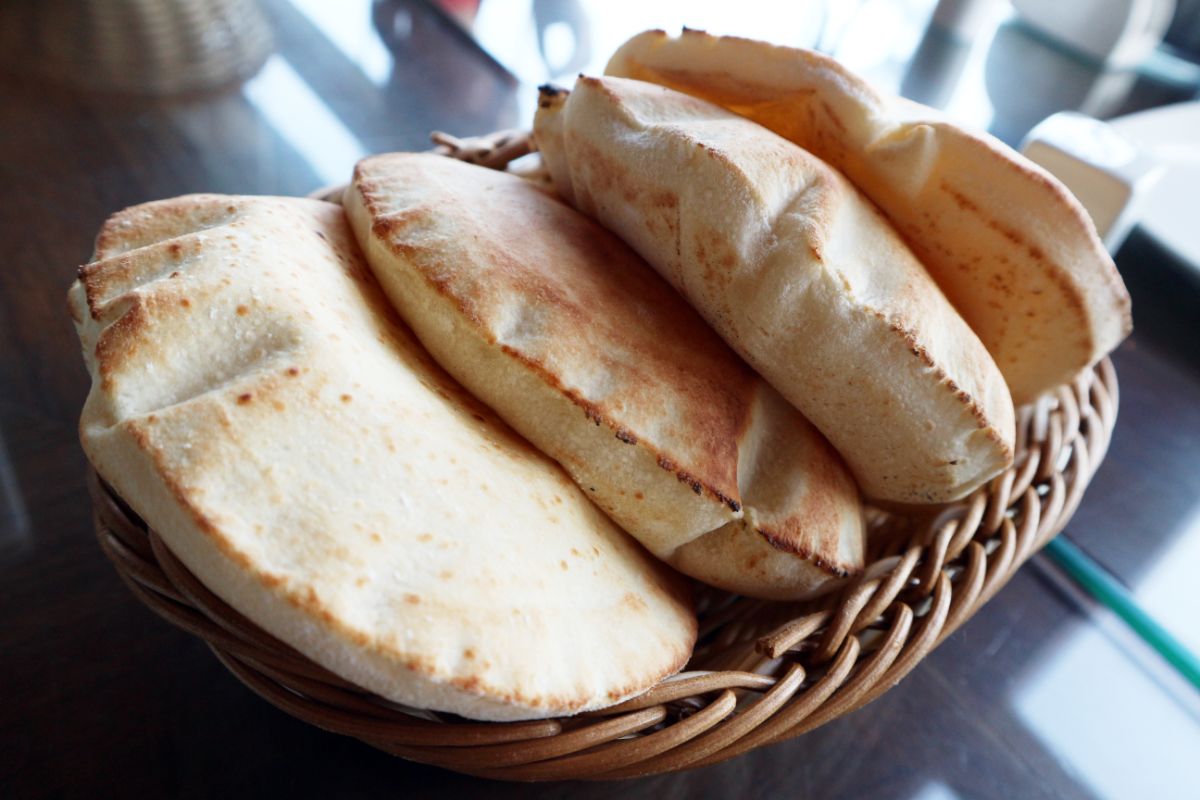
{"x":1131,"y":743}
{"x":1042,"y":691}
{"x":301,"y":117}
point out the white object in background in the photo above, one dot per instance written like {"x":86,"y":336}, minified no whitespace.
{"x":1119,"y":33}
{"x":965,"y":19}
{"x":1108,"y":174}
{"x":1171,"y":212}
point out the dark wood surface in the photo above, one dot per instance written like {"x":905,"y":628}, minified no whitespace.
{"x":1041,"y":695}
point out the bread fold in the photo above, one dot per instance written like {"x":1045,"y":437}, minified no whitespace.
{"x":798,"y":272}
{"x":1009,"y":245}
{"x":260,"y":405}
{"x":585,"y":350}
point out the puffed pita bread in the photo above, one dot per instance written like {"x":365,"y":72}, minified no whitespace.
{"x":1009,"y":245}
{"x":798,"y":272}
{"x":585,"y":350}
{"x":258,"y":403}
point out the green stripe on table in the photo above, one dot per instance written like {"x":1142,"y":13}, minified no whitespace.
{"x":1108,"y":591}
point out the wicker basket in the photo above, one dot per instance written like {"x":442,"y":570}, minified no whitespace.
{"x":139,"y":47}
{"x":761,"y":672}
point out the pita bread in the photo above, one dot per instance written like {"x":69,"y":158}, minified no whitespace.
{"x":798,"y":272}
{"x":581,"y":347}
{"x":257,"y":402}
{"x":1009,"y":245}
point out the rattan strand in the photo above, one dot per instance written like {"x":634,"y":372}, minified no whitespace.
{"x":761,"y":673}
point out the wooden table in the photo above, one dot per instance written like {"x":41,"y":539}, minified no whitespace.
{"x":1043,"y":694}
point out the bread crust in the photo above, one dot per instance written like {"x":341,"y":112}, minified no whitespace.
{"x":798,"y":272}
{"x":1009,"y":245}
{"x":587,"y":352}
{"x":260,"y":405}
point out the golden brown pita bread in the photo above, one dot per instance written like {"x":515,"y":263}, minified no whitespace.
{"x":586,"y":351}
{"x":257,"y":402}
{"x":1009,"y":245}
{"x":798,"y":272}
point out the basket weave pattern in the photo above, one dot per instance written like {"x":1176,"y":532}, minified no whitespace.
{"x":761,"y":672}
{"x":141,"y":47}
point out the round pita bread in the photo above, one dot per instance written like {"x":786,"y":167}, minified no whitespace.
{"x":798,"y":273}
{"x":584,"y":349}
{"x":258,"y":403}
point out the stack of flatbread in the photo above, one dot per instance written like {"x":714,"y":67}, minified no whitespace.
{"x":1009,"y":245}
{"x":457,"y":440}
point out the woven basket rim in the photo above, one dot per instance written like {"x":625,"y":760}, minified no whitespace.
{"x":762,"y":671}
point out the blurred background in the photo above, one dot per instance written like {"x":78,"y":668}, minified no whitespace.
{"x":996,"y":64}
{"x":1051,"y":691}
{"x":999,"y":65}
